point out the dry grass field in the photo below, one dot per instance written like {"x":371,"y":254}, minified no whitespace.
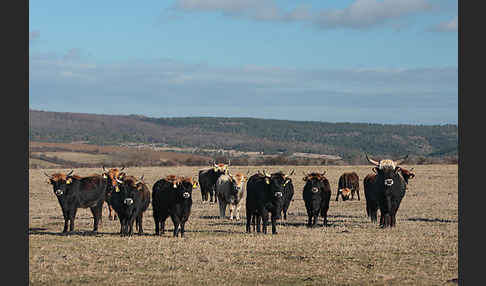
{"x":421,"y":250}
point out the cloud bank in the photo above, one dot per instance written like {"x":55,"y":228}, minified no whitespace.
{"x":361,"y":14}
{"x":169,"y":88}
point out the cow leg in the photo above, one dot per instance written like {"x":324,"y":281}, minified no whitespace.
{"x":337,"y":196}
{"x":222,"y":210}
{"x":156,"y":216}
{"x":96,"y":211}
{"x":248,"y":221}
{"x":231,"y":210}
{"x":274,"y":225}
{"x":72,"y":217}
{"x":140,"y":223}
{"x":176,"y":221}
{"x":238,"y":212}
{"x":258,"y":220}
{"x":357,"y":193}
{"x":264,"y":221}
{"x":182,"y":228}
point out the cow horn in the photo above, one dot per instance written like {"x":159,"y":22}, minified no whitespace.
{"x":265,"y":173}
{"x":69,"y":173}
{"x":104,"y":168}
{"x":49,"y":176}
{"x":304,"y":173}
{"x":372,"y":161}
{"x":122,"y":168}
{"x":229,"y":163}
{"x":323,"y":173}
{"x":401,"y":161}
{"x":291,"y":172}
{"x":141,"y":178}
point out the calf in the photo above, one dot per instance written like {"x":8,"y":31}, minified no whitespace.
{"x":316,"y":195}
{"x":130,"y":201}
{"x":264,"y":195}
{"x":75,"y":192}
{"x":230,"y":190}
{"x":348,"y":184}
{"x":172,"y":196}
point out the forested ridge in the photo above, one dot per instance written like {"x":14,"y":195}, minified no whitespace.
{"x":347,"y":140}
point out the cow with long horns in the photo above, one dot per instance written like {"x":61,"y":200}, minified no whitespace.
{"x":388,"y":189}
{"x":75,"y":192}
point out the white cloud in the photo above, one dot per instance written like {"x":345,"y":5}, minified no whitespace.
{"x":447,"y":26}
{"x":360,"y":14}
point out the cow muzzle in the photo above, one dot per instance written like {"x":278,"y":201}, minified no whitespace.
{"x":186,"y":195}
{"x":128,"y":201}
{"x":59,"y":192}
{"x":278,"y":194}
{"x":315,"y":189}
{"x":388,"y":182}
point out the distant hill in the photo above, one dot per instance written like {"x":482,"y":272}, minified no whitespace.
{"x":346,"y":140}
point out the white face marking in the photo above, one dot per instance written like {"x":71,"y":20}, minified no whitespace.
{"x":59,"y":192}
{"x":387,"y":164}
{"x":186,"y":195}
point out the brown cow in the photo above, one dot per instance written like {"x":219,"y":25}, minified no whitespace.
{"x":348,"y":185}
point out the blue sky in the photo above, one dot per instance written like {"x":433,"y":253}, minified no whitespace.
{"x":388,"y":61}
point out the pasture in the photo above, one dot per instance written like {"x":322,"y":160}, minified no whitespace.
{"x":421,"y":250}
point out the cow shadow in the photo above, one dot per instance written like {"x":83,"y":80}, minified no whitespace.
{"x":209,"y":217}
{"x":43,"y":231}
{"x":431,"y":220}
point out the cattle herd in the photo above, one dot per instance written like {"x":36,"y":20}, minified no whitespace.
{"x":264,"y":195}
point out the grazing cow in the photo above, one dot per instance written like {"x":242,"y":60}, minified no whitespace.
{"x":172,"y":196}
{"x":264,"y":194}
{"x":371,"y":193}
{"x":207,"y":180}
{"x":348,"y":184}
{"x":288,"y":195}
{"x":389,"y":188}
{"x":316,"y":194}
{"x":130,"y":201}
{"x":75,"y":192}
{"x":230,"y":190}
{"x":114,"y":177}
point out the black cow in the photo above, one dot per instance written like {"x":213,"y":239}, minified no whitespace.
{"x":75,"y":192}
{"x":130,"y":201}
{"x":264,"y":194}
{"x":371,"y":196}
{"x":371,"y":192}
{"x":348,"y":184}
{"x":288,"y":195}
{"x":207,"y":180}
{"x":389,"y":188}
{"x":172,"y":196}
{"x":316,"y":194}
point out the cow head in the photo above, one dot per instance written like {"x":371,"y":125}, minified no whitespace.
{"x":220,"y":168}
{"x":407,"y":174}
{"x":345,"y":193}
{"x":315,"y":181}
{"x":184,"y":187}
{"x":59,"y":182}
{"x":114,"y":177}
{"x":277,"y":183}
{"x":387,"y":170}
{"x":237,"y":182}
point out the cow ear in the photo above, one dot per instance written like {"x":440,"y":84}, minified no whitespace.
{"x":68,"y":181}
{"x":304,"y":178}
{"x":267,"y":181}
{"x":397,"y":169}
{"x":105,"y":176}
{"x":375,"y":170}
{"x":48,"y":181}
